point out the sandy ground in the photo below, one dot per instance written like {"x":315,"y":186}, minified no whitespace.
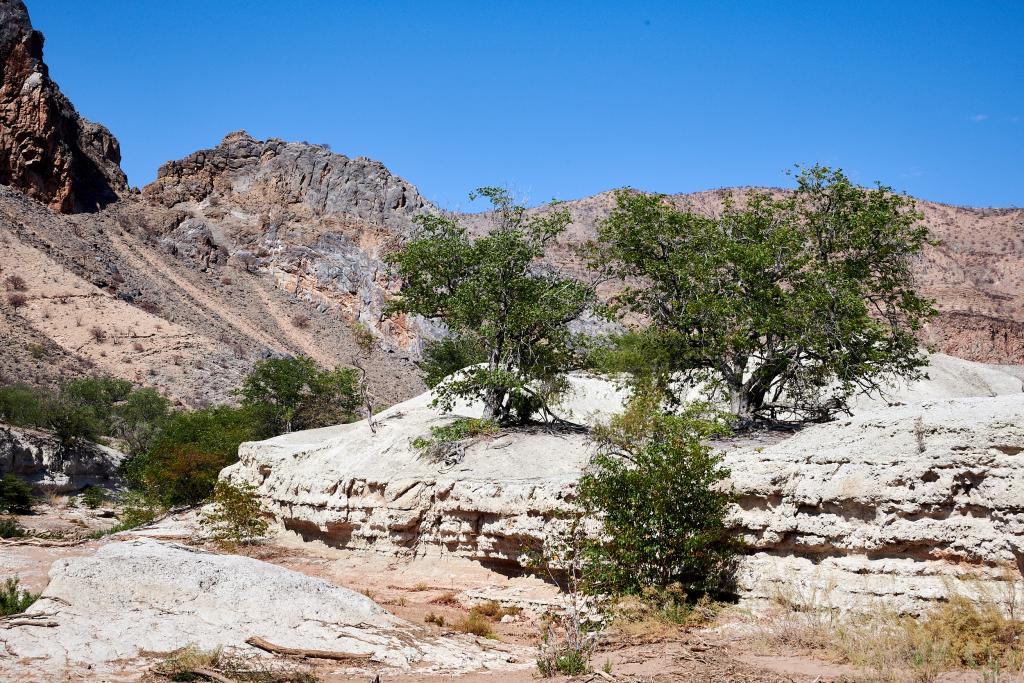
{"x":731,"y":649}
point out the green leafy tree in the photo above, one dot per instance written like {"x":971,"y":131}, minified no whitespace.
{"x":787,"y":303}
{"x":293,"y":393}
{"x":140,"y":418}
{"x":181,"y":466}
{"x":98,"y":395}
{"x":656,"y":488}
{"x":494,"y":295}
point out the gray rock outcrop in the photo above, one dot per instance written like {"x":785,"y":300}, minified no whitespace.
{"x":48,"y":465}
{"x":47,"y":150}
{"x":134,"y":602}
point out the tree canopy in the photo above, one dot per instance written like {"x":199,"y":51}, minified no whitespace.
{"x":494,"y":294}
{"x":787,"y":302}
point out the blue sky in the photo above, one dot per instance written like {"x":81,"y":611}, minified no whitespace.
{"x":566,"y":99}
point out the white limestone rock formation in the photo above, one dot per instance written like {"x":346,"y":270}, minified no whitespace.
{"x":133,"y":602}
{"x":48,"y":465}
{"x":888,"y":504}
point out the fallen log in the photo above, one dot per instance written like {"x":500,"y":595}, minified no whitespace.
{"x":305,"y":653}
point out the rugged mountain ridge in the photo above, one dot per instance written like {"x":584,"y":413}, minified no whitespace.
{"x":46,"y":149}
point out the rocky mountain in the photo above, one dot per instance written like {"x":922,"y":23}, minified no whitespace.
{"x":47,"y":150}
{"x":255,"y":248}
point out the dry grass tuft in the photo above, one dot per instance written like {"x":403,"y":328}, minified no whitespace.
{"x":983,"y":634}
{"x":476,"y":624}
{"x":448,"y":598}
{"x":194,"y":664}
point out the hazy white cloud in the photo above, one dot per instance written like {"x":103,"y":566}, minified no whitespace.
{"x":978,"y":118}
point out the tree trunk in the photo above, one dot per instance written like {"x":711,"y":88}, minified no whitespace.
{"x":494,"y":404}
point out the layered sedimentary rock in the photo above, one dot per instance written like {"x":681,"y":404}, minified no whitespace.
{"x":47,"y":150}
{"x":889,"y":504}
{"x":133,"y":602}
{"x":48,"y":465}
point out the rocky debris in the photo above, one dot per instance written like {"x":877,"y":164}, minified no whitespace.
{"x":899,"y":498}
{"x":889,"y":504}
{"x":48,"y":465}
{"x":134,"y":602}
{"x":47,"y":150}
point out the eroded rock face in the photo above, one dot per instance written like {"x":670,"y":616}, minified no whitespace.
{"x":47,"y":150}
{"x":40,"y":459}
{"x":888,"y":505}
{"x":317,"y":222}
{"x":134,"y":601}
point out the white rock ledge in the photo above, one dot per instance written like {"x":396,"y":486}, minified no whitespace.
{"x":891,"y":505}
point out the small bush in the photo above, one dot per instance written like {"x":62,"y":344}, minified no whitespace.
{"x":17,"y":300}
{"x":462,"y":429}
{"x":476,"y":624}
{"x":16,"y":283}
{"x":435,"y":619}
{"x":300,"y":320}
{"x":655,"y":486}
{"x":237,"y":517}
{"x":15,"y":495}
{"x":14,"y":600}
{"x":37,"y":351}
{"x":494,"y":611}
{"x":10,"y":528}
{"x":448,"y":598}
{"x":93,"y":497}
{"x":98,"y":334}
{"x":363,"y":336}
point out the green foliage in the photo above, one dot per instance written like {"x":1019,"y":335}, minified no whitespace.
{"x":447,"y":356}
{"x":784,"y":304}
{"x":22,"y":405}
{"x":15,"y":495}
{"x":293,"y":393}
{"x":492,"y":294}
{"x":140,"y":419}
{"x":88,"y":409}
{"x":9,"y":528}
{"x":13,"y":599}
{"x":237,"y":516}
{"x":447,"y":441}
{"x":656,"y":488}
{"x":93,"y":497}
{"x":182,"y":465}
{"x":100,"y":394}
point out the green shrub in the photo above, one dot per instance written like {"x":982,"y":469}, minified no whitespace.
{"x":13,"y":600}
{"x":655,"y":486}
{"x":139,"y":420}
{"x":188,"y":453}
{"x":101,"y":395}
{"x":293,"y":393}
{"x":72,"y":421}
{"x":237,"y":516}
{"x":10,"y":528}
{"x":24,"y":406}
{"x":462,"y":428}
{"x":15,"y":495}
{"x":93,"y":497}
